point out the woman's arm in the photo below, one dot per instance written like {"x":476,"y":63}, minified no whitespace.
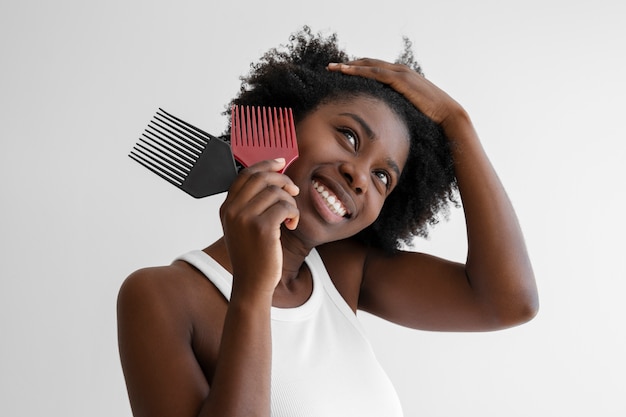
{"x":163,"y":375}
{"x":156,"y":317}
{"x":496,"y":287}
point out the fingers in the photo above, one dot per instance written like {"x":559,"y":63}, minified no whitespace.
{"x":266,"y":170}
{"x":398,"y":76}
{"x":259,"y":202}
{"x":261,"y":194}
{"x":271,"y":206}
{"x":377,"y":69}
{"x":423,"y":94}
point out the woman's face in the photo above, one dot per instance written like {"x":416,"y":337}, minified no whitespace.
{"x":352,"y":153}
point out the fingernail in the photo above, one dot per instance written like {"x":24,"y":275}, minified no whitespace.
{"x":280,"y":160}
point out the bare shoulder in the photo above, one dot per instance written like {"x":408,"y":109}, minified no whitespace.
{"x":171,"y":292}
{"x":169,"y":323}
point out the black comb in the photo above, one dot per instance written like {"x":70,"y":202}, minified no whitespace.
{"x":193,"y":160}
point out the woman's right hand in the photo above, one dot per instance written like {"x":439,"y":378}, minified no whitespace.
{"x":259,"y":201}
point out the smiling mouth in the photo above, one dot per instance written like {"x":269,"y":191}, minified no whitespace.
{"x":334,"y":204}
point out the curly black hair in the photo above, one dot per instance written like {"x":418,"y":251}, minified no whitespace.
{"x":295,"y":76}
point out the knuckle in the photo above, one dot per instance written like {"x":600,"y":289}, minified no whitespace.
{"x":261,"y":176}
{"x":224,"y":210}
{"x":285,"y":205}
{"x":273,"y":188}
{"x":290,"y":207}
{"x":228,"y":217}
{"x":246,"y":172}
{"x":404,"y":76}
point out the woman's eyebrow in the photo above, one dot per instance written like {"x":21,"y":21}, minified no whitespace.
{"x":368,"y":130}
{"x":393,"y":166}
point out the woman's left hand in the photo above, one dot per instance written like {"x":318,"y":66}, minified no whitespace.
{"x":423,"y":94}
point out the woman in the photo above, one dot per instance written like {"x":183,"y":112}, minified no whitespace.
{"x":272,"y":331}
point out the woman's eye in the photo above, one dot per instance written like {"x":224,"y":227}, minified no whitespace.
{"x":351,"y":137}
{"x":383,"y":177}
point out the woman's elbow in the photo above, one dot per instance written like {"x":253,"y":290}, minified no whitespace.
{"x":518,"y":311}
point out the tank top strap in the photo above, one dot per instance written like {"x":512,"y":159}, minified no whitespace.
{"x":322,"y":283}
{"x":216,"y":273}
{"x":222,"y":279}
{"x":315,"y":262}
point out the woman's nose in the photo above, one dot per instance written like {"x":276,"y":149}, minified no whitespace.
{"x":355,"y":176}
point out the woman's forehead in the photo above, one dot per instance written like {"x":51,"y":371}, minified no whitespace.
{"x":379,"y":116}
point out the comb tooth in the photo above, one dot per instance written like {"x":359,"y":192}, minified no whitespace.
{"x":155,"y":169}
{"x":165,"y":159}
{"x":171,"y":146}
{"x":252,"y":136}
{"x":266,"y":135}
{"x":291,"y":130}
{"x":184,"y":143}
{"x":268,"y":121}
{"x":240,"y":126}
{"x":240,"y":133}
{"x":276,"y":126}
{"x":237,"y":121}
{"x":181,"y":132}
{"x":171,"y":177}
{"x":285,"y":130}
{"x":255,"y":131}
{"x":279,"y":129}
{"x":284,"y":134}
{"x":165,"y":156}
{"x":234,"y":125}
{"x":172,"y":134}
{"x":273,"y":124}
{"x":202,"y":136}
{"x":261,"y":126}
{"x":154,"y":133}
{"x":283,"y":125}
{"x":156,"y":164}
{"x":258,"y":116}
{"x":251,"y":126}
{"x":248,"y":128}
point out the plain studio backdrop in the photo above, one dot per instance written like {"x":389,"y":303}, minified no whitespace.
{"x":542,"y":80}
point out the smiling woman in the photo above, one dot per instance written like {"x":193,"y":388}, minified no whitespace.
{"x":262,"y":322}
{"x":299,"y":76}
{"x":354,"y":151}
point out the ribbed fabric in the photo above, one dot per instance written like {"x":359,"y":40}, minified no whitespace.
{"x":322,"y":363}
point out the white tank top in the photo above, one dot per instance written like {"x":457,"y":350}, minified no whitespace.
{"x":322,"y":363}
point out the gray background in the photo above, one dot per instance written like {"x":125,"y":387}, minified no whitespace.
{"x":543,"y":81}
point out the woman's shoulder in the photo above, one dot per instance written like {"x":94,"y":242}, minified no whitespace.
{"x":153,"y":281}
{"x":170,"y":312}
{"x":174,"y":290}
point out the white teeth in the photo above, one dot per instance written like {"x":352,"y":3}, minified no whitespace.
{"x":331,"y":201}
